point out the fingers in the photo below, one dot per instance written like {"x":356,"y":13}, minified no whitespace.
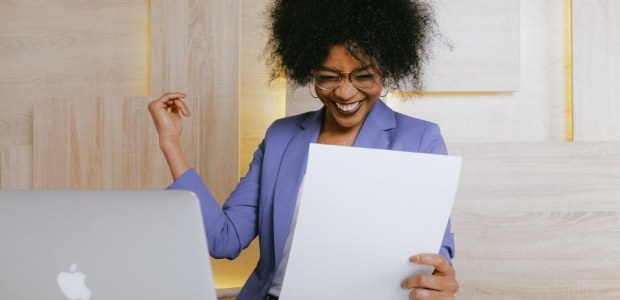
{"x":441,"y":284}
{"x":171,"y":96}
{"x":166,"y":112}
{"x":422,"y":294}
{"x":431,"y":282}
{"x":178,"y":105}
{"x":441,"y":265}
{"x":172,"y":101}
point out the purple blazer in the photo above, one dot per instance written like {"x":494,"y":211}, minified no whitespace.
{"x":263,"y":202}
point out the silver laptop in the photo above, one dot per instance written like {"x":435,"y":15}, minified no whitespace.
{"x":91,"y":245}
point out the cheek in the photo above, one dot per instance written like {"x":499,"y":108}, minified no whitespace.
{"x":374,"y":93}
{"x":322,"y":95}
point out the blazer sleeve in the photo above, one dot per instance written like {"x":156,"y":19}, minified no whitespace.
{"x":432,"y":142}
{"x":230,"y":228}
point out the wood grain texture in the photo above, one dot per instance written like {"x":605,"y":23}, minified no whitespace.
{"x":538,"y":220}
{"x":596,"y":44}
{"x":214,"y":77}
{"x":194,"y":49}
{"x":533,"y":279}
{"x":169,"y":46}
{"x":99,"y":143}
{"x":64,"y":48}
{"x":16,"y":167}
{"x":553,"y":176}
{"x":15,"y":121}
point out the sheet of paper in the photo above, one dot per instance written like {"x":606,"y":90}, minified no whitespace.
{"x":362,"y":214}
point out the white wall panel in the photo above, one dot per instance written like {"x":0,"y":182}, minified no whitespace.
{"x":596,"y":46}
{"x":537,"y":112}
{"x":479,"y":50}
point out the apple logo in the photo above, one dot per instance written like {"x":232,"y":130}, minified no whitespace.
{"x":72,"y":284}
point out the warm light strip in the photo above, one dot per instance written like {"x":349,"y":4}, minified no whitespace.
{"x":568,"y":71}
{"x":149,"y":15}
{"x":414,"y":95}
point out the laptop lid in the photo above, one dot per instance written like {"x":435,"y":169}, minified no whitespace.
{"x":91,"y":245}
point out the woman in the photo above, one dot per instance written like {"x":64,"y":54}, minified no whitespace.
{"x":348,"y":51}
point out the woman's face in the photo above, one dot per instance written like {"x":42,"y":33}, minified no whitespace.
{"x":346,"y":105}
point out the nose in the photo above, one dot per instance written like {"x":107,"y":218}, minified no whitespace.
{"x":345,"y":90}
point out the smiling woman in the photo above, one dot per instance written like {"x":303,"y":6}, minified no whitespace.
{"x":348,"y":53}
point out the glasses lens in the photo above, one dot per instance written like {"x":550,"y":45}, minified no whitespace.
{"x":327,"y":80}
{"x":363,"y":78}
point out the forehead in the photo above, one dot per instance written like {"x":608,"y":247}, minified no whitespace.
{"x":340,"y":58}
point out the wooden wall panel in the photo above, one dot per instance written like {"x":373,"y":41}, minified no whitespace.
{"x":15,"y":121}
{"x":214,"y":77}
{"x":99,"y":143}
{"x":169,"y":47}
{"x":16,"y":167}
{"x":195,"y":49}
{"x":64,"y":48}
{"x":539,"y":176}
{"x":596,"y":44}
{"x":538,"y":220}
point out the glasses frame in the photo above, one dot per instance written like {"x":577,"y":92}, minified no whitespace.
{"x":341,"y":74}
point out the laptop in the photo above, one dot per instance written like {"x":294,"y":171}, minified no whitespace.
{"x":91,"y":245}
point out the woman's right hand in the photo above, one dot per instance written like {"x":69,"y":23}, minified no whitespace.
{"x":166,"y":112}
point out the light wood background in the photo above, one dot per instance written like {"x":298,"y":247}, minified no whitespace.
{"x":536,"y":215}
{"x":538,"y":220}
{"x":64,"y":62}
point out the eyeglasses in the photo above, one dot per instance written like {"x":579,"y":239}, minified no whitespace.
{"x":328,"y":79}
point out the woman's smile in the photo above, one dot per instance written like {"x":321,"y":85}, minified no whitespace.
{"x":348,"y":108}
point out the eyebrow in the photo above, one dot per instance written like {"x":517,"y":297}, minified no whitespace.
{"x":326,"y":68}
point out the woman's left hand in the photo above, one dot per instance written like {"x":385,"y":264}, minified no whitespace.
{"x":441,"y":284}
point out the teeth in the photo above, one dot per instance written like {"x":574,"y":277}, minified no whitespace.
{"x":348,"y":107}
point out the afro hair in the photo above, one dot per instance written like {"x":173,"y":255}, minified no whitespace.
{"x":393,"y":35}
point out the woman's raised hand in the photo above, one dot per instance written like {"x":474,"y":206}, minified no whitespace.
{"x":167,"y":112}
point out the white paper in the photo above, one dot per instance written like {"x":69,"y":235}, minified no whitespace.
{"x":362,"y":214}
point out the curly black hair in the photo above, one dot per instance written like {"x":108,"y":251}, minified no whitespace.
{"x":393,"y":34}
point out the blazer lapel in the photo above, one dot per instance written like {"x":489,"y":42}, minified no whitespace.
{"x":290,"y":174}
{"x":374,"y":131}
